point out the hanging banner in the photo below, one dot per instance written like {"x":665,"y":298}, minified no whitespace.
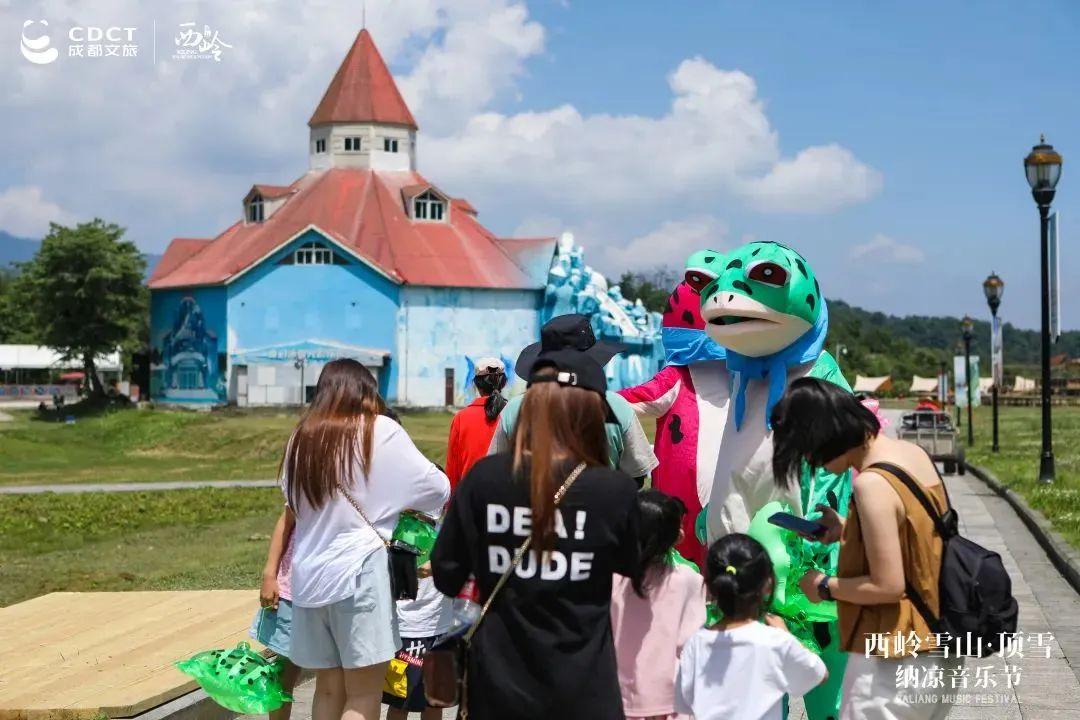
{"x":997,"y":354}
{"x":961,"y":381}
{"x":1055,"y":279}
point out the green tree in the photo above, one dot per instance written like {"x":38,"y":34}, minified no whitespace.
{"x":652,"y":287}
{"x":83,"y":293}
{"x":16,"y":325}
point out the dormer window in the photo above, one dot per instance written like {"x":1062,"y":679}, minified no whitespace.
{"x":390,"y":145}
{"x":352,"y":144}
{"x":320,"y":145}
{"x":255,"y":209}
{"x":428,"y":206}
{"x":313,"y":254}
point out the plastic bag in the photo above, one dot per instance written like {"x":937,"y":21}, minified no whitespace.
{"x":418,"y":531}
{"x":674,"y":557}
{"x":240,"y":679}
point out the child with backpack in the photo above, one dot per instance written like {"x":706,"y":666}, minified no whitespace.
{"x":653,"y":615}
{"x":742,"y":667}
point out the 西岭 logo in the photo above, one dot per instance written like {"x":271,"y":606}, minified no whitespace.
{"x":195,"y":44}
{"x":36,"y":49}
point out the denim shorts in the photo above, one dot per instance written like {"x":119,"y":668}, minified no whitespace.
{"x":359,"y":631}
{"x":273,"y":628}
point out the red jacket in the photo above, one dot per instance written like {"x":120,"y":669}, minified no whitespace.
{"x":470,"y":438}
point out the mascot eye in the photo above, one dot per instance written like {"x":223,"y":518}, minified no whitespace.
{"x":769,"y":273}
{"x":697,"y":280}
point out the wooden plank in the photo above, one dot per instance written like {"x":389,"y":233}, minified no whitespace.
{"x":73,"y":656}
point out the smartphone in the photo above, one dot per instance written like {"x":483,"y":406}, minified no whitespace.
{"x":797,"y":524}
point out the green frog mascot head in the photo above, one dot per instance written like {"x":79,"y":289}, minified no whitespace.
{"x":766,"y":309}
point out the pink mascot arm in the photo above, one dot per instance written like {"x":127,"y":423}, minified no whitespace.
{"x":655,"y":397}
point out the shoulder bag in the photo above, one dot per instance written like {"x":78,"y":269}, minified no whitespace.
{"x":400,"y":558}
{"x":446,"y":664}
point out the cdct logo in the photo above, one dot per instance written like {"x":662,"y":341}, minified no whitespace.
{"x":93,"y":34}
{"x":36,"y":49}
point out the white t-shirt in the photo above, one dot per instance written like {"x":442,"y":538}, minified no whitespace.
{"x":743,"y":673}
{"x":429,"y":615}
{"x":330,"y":543}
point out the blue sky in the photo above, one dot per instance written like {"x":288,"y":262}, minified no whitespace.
{"x":884,"y":142}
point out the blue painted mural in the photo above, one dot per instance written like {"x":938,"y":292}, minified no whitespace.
{"x":187,"y":337}
{"x":574,"y":287}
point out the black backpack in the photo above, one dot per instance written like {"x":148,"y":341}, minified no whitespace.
{"x":978,"y":610}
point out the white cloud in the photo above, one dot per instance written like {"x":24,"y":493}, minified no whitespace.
{"x":819,"y":179}
{"x":715,"y":142}
{"x":883,"y":249}
{"x":168,"y":149}
{"x":24,"y":212}
{"x":669,"y":244}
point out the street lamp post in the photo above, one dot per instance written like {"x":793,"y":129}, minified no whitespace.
{"x":994,"y":288}
{"x":968,"y":325}
{"x":1042,"y":167}
{"x":299,"y":363}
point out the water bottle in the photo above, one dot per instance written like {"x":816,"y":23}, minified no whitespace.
{"x":466,"y":606}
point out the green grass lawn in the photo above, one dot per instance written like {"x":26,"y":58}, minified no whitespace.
{"x":216,"y":538}
{"x":155,"y":445}
{"x":1017,"y":464}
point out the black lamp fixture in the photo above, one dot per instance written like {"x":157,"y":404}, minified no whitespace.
{"x":1042,"y":166}
{"x":994,"y":288}
{"x":968,"y":327}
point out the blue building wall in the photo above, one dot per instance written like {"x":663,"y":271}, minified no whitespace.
{"x":442,"y":329}
{"x":282,"y":304}
{"x":188,"y":345}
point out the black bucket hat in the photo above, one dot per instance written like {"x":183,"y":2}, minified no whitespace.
{"x":573,"y":333}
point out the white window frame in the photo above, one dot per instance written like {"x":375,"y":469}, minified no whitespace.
{"x":313,"y":253}
{"x":353,"y":143}
{"x":390,"y":144}
{"x":429,"y":207}
{"x":256,"y":210}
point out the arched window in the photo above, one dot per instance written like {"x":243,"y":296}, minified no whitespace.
{"x":255,"y":209}
{"x":314,"y":254}
{"x":428,"y":206}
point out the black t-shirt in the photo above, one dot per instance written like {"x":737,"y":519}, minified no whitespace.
{"x":545,"y":649}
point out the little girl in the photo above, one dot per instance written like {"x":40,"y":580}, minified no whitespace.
{"x":654,"y":615}
{"x":272,"y":625}
{"x":741,"y":668}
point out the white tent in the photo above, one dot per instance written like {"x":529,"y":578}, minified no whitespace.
{"x":37,"y":357}
{"x":985,"y":385}
{"x":1024,"y":385}
{"x":923,"y":385}
{"x":872,"y":384}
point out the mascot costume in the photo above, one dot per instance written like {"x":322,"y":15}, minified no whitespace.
{"x":764,"y":307}
{"x":670,"y":397}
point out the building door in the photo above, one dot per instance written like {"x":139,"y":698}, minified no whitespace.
{"x":241,"y":385}
{"x":449,"y":386}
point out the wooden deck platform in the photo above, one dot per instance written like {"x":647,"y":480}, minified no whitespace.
{"x":72,"y":656}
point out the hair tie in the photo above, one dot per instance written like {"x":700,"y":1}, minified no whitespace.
{"x":730,"y":569}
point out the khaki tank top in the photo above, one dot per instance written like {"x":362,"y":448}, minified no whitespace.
{"x":886,"y":630}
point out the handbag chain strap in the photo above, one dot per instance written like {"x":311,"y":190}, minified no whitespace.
{"x":524,"y":548}
{"x":356,"y":506}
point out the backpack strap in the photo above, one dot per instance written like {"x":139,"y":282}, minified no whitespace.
{"x":944,"y":523}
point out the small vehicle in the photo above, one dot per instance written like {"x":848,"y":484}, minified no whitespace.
{"x":933,"y":431}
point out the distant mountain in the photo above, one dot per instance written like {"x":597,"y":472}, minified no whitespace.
{"x":16,"y":249}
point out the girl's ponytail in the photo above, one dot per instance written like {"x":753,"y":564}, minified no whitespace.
{"x":740,"y":577}
{"x":489,"y":385}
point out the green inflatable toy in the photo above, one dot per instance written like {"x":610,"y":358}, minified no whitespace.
{"x":417,"y":531}
{"x":240,"y":679}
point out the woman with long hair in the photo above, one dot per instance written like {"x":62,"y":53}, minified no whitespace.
{"x":557,"y":522}
{"x":887,"y":542}
{"x":472,"y":427}
{"x":347,"y":473}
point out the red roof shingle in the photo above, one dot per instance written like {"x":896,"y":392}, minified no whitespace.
{"x":362,"y":210}
{"x":363,"y":90}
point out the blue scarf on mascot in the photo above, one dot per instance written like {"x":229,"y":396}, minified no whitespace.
{"x":774,"y":368}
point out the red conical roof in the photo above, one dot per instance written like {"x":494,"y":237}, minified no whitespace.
{"x":363,"y":90}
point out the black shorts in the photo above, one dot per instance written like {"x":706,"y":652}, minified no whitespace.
{"x":412,"y":654}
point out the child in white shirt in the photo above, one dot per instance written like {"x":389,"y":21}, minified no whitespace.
{"x":741,"y":668}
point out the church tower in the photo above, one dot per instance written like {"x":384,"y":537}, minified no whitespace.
{"x":362,"y":120}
